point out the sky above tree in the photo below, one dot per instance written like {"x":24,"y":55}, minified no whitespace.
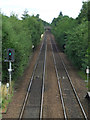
{"x":47,"y":9}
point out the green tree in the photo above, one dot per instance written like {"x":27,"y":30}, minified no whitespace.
{"x":25,"y":15}
{"x":83,"y":16}
{"x":73,"y":33}
{"x":19,"y":35}
{"x":60,"y":27}
{"x":77,"y":45}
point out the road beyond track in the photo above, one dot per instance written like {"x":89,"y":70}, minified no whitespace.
{"x":50,"y":98}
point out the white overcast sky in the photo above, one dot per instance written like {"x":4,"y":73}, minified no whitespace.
{"x":47,"y":9}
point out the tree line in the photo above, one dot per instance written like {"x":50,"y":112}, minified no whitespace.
{"x":19,"y":35}
{"x":72,"y":35}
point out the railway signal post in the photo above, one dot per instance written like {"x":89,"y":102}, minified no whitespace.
{"x":9,"y":58}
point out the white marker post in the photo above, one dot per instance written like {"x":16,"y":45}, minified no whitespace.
{"x":7,"y":89}
{"x":33,"y":47}
{"x":87,"y":72}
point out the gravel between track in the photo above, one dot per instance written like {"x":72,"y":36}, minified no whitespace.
{"x":52,"y":107}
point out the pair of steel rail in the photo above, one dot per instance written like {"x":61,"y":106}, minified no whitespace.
{"x":58,"y":78}
{"x":31,"y":80}
{"x":60,"y":90}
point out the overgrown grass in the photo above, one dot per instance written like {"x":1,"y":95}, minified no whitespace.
{"x":6,"y":96}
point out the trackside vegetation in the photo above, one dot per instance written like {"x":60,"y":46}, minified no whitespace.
{"x":19,"y":35}
{"x":72,"y":36}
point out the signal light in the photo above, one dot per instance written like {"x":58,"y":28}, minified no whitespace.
{"x":10,"y":54}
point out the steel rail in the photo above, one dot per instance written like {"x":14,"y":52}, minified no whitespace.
{"x":79,"y":102}
{"x":41,"y":110}
{"x":60,"y":90}
{"x":30,"y":84}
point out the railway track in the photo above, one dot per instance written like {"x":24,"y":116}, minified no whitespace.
{"x":72,"y":107}
{"x":33,"y":103}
